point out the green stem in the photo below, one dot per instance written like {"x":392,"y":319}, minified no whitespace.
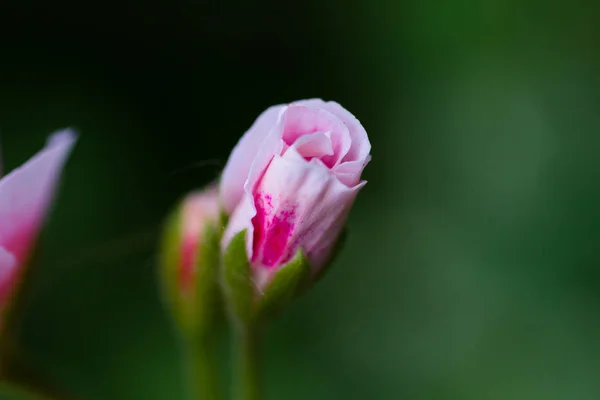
{"x":204,"y":371}
{"x":248,"y":364}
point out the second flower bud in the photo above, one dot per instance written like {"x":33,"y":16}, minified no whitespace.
{"x":190,"y":261}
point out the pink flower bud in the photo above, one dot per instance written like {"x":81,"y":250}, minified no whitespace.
{"x":25,"y":196}
{"x":198,"y":210}
{"x":189,"y":262}
{"x":291,"y":181}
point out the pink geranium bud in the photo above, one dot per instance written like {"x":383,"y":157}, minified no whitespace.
{"x":25,"y":197}
{"x":198,"y":210}
{"x":290,"y":183}
{"x":190,"y":257}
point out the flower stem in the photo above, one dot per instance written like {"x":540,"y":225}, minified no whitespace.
{"x":248,"y":367}
{"x":204,"y":371}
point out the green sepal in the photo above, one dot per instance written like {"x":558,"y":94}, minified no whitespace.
{"x":239,"y":289}
{"x":207,"y":300}
{"x":195,"y":311}
{"x":223,"y":220}
{"x":284,"y":286}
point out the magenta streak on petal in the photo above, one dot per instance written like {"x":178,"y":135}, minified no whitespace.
{"x":259,"y":222}
{"x":271,"y":232}
{"x":277,"y":239}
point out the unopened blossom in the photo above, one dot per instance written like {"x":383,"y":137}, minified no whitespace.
{"x":199,"y":209}
{"x":290,"y":183}
{"x":189,"y":261}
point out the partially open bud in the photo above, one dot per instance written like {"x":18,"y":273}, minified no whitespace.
{"x":289,"y":185}
{"x":190,"y":259}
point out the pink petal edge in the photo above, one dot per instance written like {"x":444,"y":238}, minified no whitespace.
{"x":242,"y":156}
{"x":27,"y":191}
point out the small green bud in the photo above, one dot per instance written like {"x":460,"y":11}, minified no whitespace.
{"x":189,"y":262}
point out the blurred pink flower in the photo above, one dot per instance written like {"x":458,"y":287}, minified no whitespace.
{"x":291,"y":181}
{"x":25,"y":196}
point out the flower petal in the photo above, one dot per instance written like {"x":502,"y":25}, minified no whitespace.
{"x":239,"y":220}
{"x":244,"y":155}
{"x":26,"y":193}
{"x":300,"y":120}
{"x":349,"y":172}
{"x":361,"y":147}
{"x":297,"y":204}
{"x":314,"y":145}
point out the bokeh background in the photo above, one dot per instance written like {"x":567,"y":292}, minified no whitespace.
{"x":472,"y":270}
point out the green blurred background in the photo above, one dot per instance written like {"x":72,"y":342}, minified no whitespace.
{"x":472,"y":265}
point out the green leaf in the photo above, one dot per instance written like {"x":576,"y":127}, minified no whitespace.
{"x":284,"y":286}
{"x":237,"y":278}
